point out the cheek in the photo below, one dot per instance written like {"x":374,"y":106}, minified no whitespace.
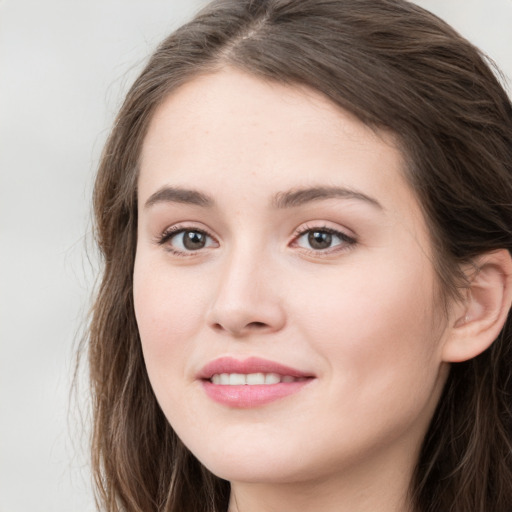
{"x":169,"y":310}
{"x":374,"y":328}
{"x":374,"y":334}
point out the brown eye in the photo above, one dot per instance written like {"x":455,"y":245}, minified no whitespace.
{"x":193,"y":240}
{"x":319,"y":240}
{"x":323,"y":240}
{"x":187,"y":240}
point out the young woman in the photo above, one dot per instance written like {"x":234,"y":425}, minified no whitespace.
{"x":305,"y":213}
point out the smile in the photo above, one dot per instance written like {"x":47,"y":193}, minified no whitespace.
{"x":252,"y":379}
{"x":252,"y":382}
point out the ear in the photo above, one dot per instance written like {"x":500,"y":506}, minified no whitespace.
{"x":477,"y":321}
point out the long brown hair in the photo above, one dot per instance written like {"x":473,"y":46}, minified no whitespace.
{"x":396,"y":67}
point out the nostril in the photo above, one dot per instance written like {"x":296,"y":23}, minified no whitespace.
{"x":240,"y":329}
{"x":257,"y":325}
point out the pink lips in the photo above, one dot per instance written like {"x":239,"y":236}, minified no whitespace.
{"x":247,"y":396}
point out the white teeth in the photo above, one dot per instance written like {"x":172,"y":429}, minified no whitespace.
{"x":236,"y":379}
{"x":255,"y":378}
{"x":272,"y":378}
{"x":240,"y":379}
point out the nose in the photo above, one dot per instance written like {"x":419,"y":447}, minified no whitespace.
{"x":247,"y":298}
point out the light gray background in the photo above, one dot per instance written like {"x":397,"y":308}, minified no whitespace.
{"x":64,"y":66}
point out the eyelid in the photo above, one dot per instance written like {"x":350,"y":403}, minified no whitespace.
{"x":172,"y":231}
{"x":349,"y":240}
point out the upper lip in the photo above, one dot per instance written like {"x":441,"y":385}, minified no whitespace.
{"x":247,"y":366}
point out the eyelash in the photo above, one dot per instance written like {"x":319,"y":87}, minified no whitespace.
{"x":347,"y":242}
{"x":173,"y":231}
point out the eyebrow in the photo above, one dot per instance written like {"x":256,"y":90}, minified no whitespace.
{"x":179,"y":195}
{"x":289,"y":199}
{"x":298,"y":197}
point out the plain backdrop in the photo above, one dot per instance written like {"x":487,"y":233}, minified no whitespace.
{"x":64,"y":67}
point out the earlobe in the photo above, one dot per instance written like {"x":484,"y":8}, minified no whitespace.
{"x":481,"y":316}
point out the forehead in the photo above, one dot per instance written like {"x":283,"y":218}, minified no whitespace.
{"x":231,"y":132}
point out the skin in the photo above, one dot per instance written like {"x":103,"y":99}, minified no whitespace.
{"x":360,"y":316}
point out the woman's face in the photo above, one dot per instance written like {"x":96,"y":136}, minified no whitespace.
{"x":284,"y":287}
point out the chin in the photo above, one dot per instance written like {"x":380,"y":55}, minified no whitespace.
{"x":252,"y":462}
{"x":255,"y":471}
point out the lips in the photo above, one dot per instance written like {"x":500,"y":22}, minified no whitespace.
{"x":251,"y":382}
{"x":248,"y":366}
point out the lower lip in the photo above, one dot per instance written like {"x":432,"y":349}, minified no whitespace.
{"x":245,"y":396}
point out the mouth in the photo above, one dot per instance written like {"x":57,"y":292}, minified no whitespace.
{"x":252,"y":382}
{"x":252,"y":379}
